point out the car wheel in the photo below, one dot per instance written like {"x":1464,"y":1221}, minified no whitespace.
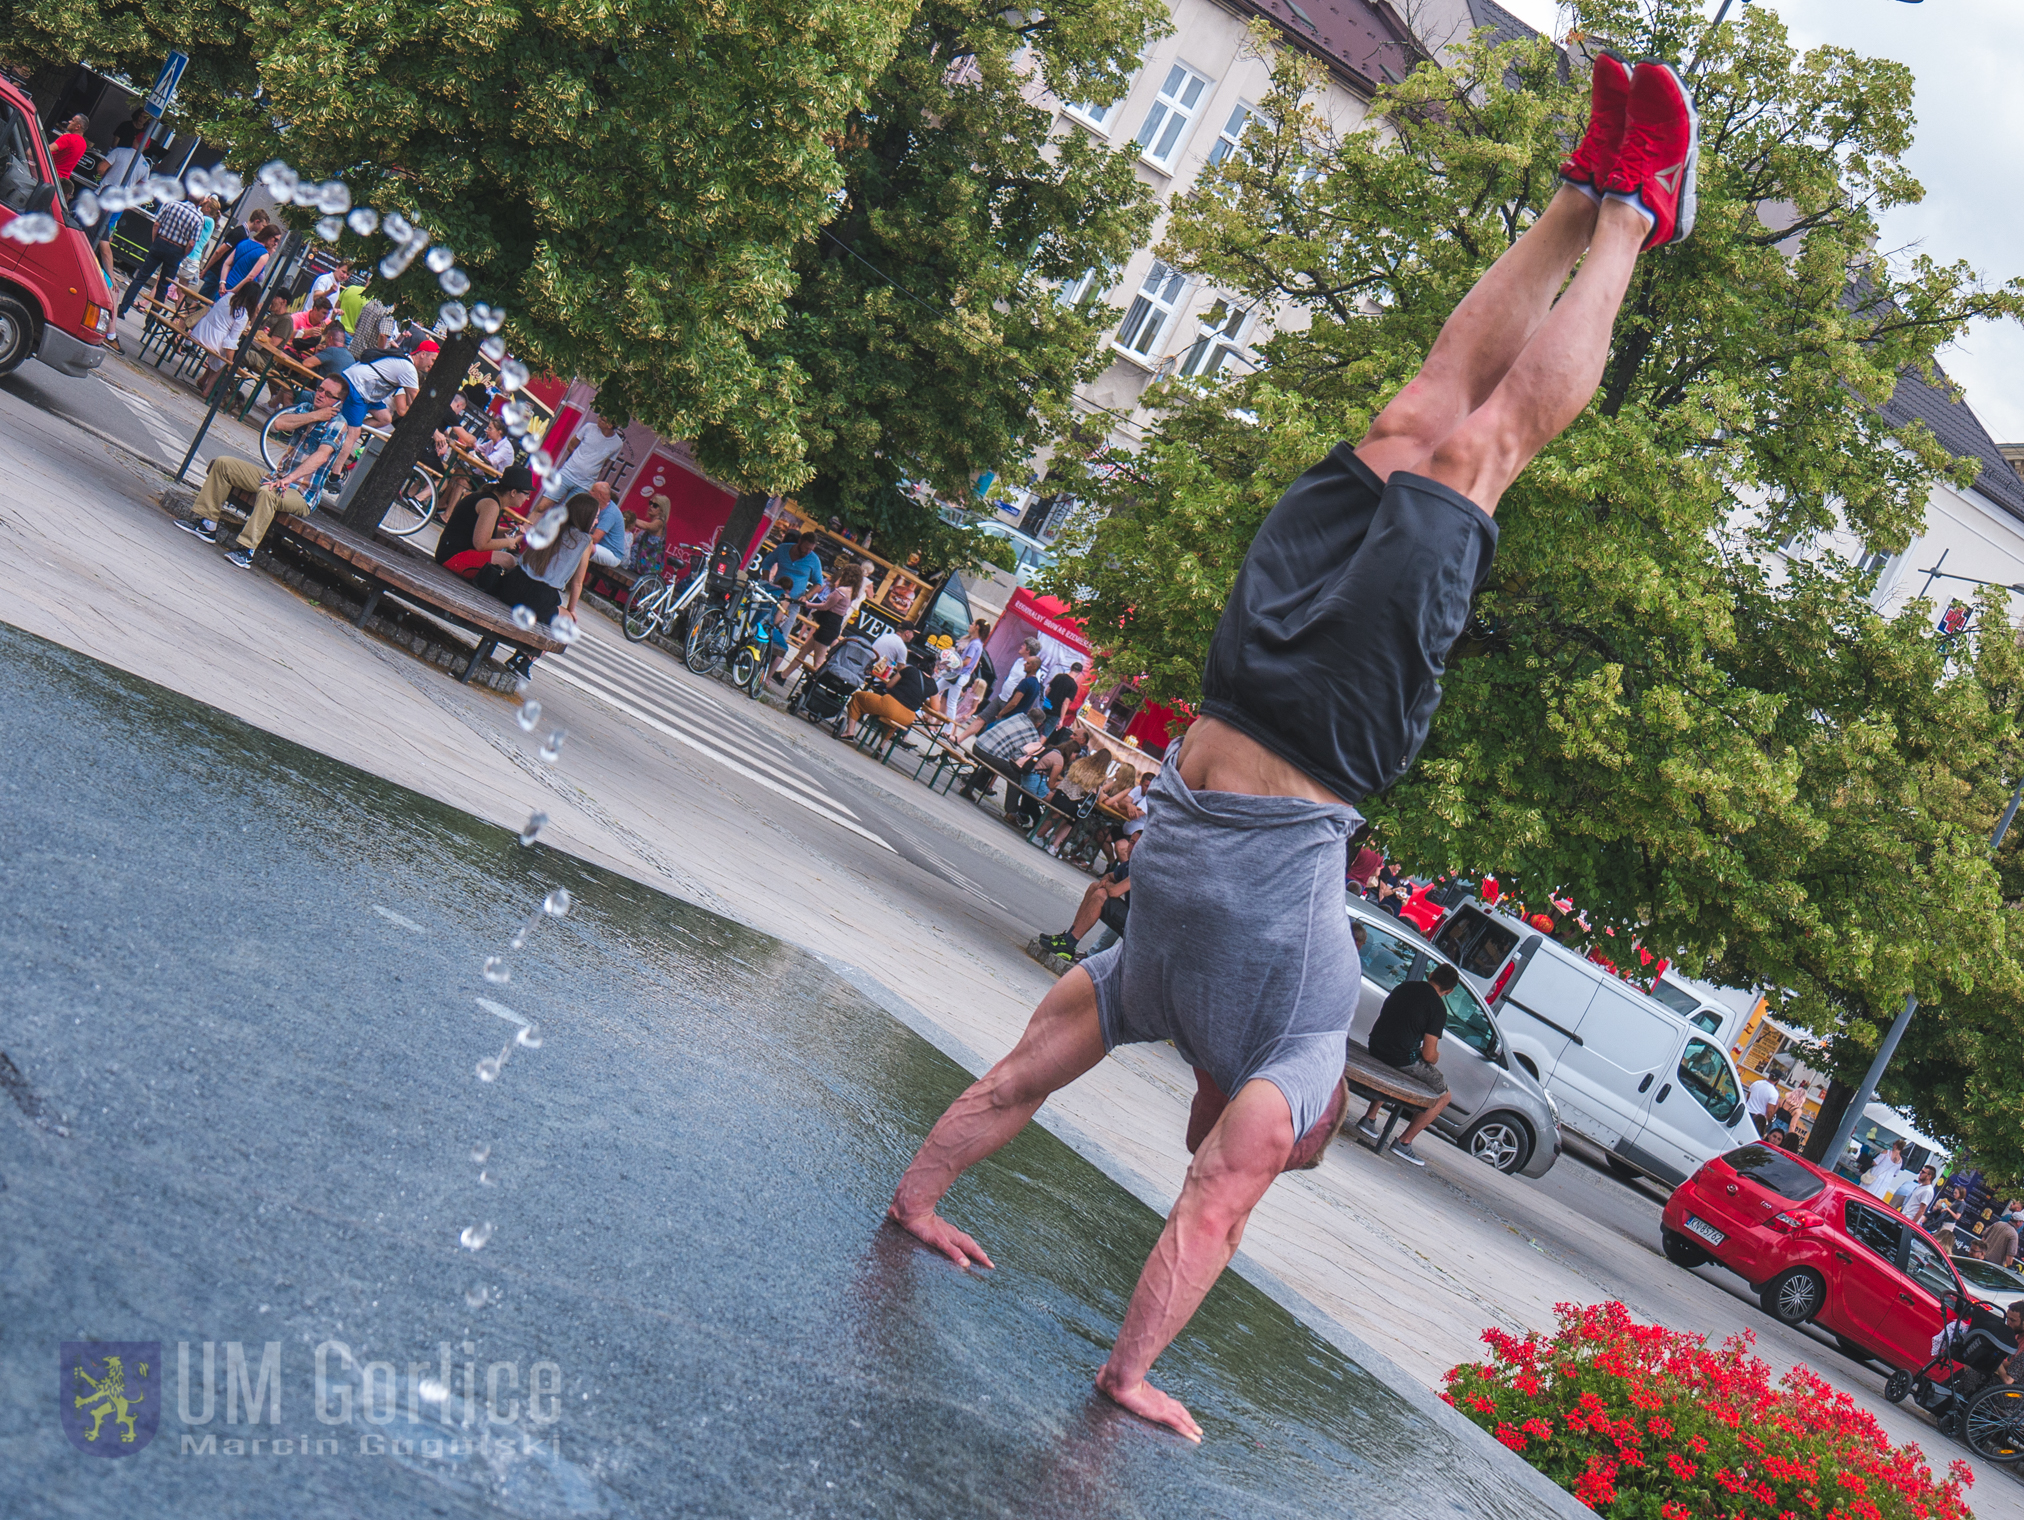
{"x":1993,"y":1425}
{"x":1681,"y":1251}
{"x":17,"y":333}
{"x":1895,"y":1387}
{"x":1793,"y":1298}
{"x":1498,"y":1140}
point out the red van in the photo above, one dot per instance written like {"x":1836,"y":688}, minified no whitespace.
{"x":54,"y":305}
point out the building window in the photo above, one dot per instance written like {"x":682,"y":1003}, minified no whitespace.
{"x":1231,"y":138}
{"x":1222,"y":328}
{"x":1072,"y":292}
{"x":1145,"y":322}
{"x":1099,"y":117}
{"x":1874,"y":561}
{"x":1166,"y":129}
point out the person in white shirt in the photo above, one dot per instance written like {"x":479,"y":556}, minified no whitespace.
{"x":1759,"y":1102}
{"x":219,"y":329}
{"x":327,"y":287}
{"x":385,"y":388}
{"x":1911,"y":1197}
{"x":1878,"y":1179}
{"x":583,"y":461}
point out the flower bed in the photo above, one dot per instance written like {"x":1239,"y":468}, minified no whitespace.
{"x":1642,"y":1421}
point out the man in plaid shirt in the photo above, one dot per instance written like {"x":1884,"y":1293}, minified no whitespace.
{"x":176,"y":232}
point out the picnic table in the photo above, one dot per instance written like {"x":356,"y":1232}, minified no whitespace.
{"x":1368,"y":1077}
{"x":388,"y":566}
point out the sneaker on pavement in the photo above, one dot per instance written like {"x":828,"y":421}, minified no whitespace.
{"x":1406,"y":1153}
{"x":243,"y":558}
{"x":1058,"y":944}
{"x":204,"y":528}
{"x":1369,"y":1130}
{"x":1660,"y":151}
{"x":1608,"y":108}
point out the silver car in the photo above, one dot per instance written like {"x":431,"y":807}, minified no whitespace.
{"x":1997,"y":1285}
{"x":1499,"y":1113}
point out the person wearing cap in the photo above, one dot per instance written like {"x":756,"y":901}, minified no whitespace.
{"x":475,"y":538}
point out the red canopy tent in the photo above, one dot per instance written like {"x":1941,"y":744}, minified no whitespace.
{"x":1046,"y":618}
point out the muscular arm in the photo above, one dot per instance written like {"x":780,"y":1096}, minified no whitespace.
{"x":1230,"y":1173}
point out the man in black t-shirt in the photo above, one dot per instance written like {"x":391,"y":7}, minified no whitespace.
{"x":1407,"y":1035}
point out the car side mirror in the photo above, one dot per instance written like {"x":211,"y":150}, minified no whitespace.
{"x":41,"y":198}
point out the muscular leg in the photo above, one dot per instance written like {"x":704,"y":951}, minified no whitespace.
{"x":1062,"y":1041}
{"x":1425,"y":1117}
{"x":1248,"y":1148}
{"x":1482,"y":338}
{"x":1556,"y":375}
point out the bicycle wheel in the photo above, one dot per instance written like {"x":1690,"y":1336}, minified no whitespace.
{"x":412,"y":507}
{"x":1993,"y":1425}
{"x":746,"y":667}
{"x":274,"y":441}
{"x":643,"y":613}
{"x":703,"y":650}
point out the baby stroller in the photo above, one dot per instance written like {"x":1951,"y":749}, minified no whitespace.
{"x":822,"y":695}
{"x":1960,"y":1386}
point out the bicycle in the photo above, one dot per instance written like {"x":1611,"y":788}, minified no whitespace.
{"x":648,"y":612}
{"x":756,"y":638}
{"x":411,"y":510}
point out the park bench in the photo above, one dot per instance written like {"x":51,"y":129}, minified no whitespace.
{"x":1370,"y":1078}
{"x":387,"y":565}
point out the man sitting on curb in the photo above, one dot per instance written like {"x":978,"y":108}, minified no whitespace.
{"x":322,"y":439}
{"x":1107,"y":901}
{"x":1407,"y":1035}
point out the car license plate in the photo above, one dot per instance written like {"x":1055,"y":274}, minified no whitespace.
{"x":1706,"y":1231}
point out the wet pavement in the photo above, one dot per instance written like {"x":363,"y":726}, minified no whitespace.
{"x":246,"y":1125}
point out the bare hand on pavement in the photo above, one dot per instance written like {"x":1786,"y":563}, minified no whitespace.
{"x":1148,"y":1403}
{"x":937,"y":1233}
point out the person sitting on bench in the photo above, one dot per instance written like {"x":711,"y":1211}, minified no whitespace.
{"x":896,"y":706}
{"x":1407,"y":1035}
{"x":1107,"y":901}
{"x":322,"y":439}
{"x":472,"y":540}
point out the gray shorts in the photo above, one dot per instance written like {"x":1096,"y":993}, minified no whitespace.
{"x":1239,"y":949}
{"x":1423,"y":1071}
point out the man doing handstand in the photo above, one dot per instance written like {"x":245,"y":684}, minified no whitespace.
{"x":1321,"y":680}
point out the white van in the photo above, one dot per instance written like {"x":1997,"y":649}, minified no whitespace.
{"x":1647,"y":1083}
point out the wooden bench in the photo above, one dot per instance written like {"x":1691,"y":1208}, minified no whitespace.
{"x":1368,"y":1077}
{"x":387,"y":565}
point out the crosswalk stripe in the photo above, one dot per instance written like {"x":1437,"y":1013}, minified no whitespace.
{"x":718,"y":727}
{"x":587,"y":681}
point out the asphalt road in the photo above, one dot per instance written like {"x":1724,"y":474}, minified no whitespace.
{"x":375,"y":1233}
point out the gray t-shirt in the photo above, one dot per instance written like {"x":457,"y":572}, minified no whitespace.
{"x":563,"y":562}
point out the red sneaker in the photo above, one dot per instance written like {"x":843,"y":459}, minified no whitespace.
{"x":1608,"y":104}
{"x":1661,"y":148}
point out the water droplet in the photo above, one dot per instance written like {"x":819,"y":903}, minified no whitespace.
{"x":476,"y":1297}
{"x":529,"y":715}
{"x":439,"y":258}
{"x":513,"y":412}
{"x":536,"y":822}
{"x":492,"y":350}
{"x":540,"y":464}
{"x":513,"y":375}
{"x":557,"y":903}
{"x":485,"y":1179}
{"x":333,"y":197}
{"x":495,"y":971}
{"x":454,"y":282}
{"x":397,"y":227}
{"x":453,"y":316}
{"x":434,"y":1390}
{"x":395,"y":264}
{"x":85,"y":208}
{"x":524,"y":618}
{"x":491,"y":318}
{"x":544,"y":529}
{"x":165,"y":188}
{"x":330,"y":228}
{"x":519,"y":939}
{"x":551,"y":747}
{"x":197,"y":183}
{"x":474,"y":1238}
{"x":36,"y":227}
{"x":562,"y":628}
{"x":488,"y":1069}
{"x":225,"y":184}
{"x":279,"y":179}
{"x":528,"y":1038}
{"x":363,"y":220}
{"x":480,"y":1153}
{"x":115,"y":198}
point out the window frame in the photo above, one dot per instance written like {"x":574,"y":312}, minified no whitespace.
{"x":1691,"y":1082}
{"x":1099,"y":119}
{"x":30,"y":139}
{"x":1854,"y":1208}
{"x":1133,"y":325}
{"x":1160,"y":116}
{"x":1204,"y":358}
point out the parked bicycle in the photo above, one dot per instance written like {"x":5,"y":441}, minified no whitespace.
{"x":412,"y":508}
{"x":657,"y":608}
{"x":727,"y":632}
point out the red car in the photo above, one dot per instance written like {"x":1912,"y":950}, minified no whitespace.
{"x":1814,"y":1247}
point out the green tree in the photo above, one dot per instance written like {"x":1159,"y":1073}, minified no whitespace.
{"x":926,"y":314}
{"x":1741,"y":762}
{"x":628,"y":181}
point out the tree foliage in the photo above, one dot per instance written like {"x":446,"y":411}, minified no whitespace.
{"x":926,"y":313}
{"x":628,"y":180}
{"x":1655,"y":712}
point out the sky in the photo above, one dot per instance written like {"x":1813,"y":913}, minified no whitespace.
{"x":1968,"y":57}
